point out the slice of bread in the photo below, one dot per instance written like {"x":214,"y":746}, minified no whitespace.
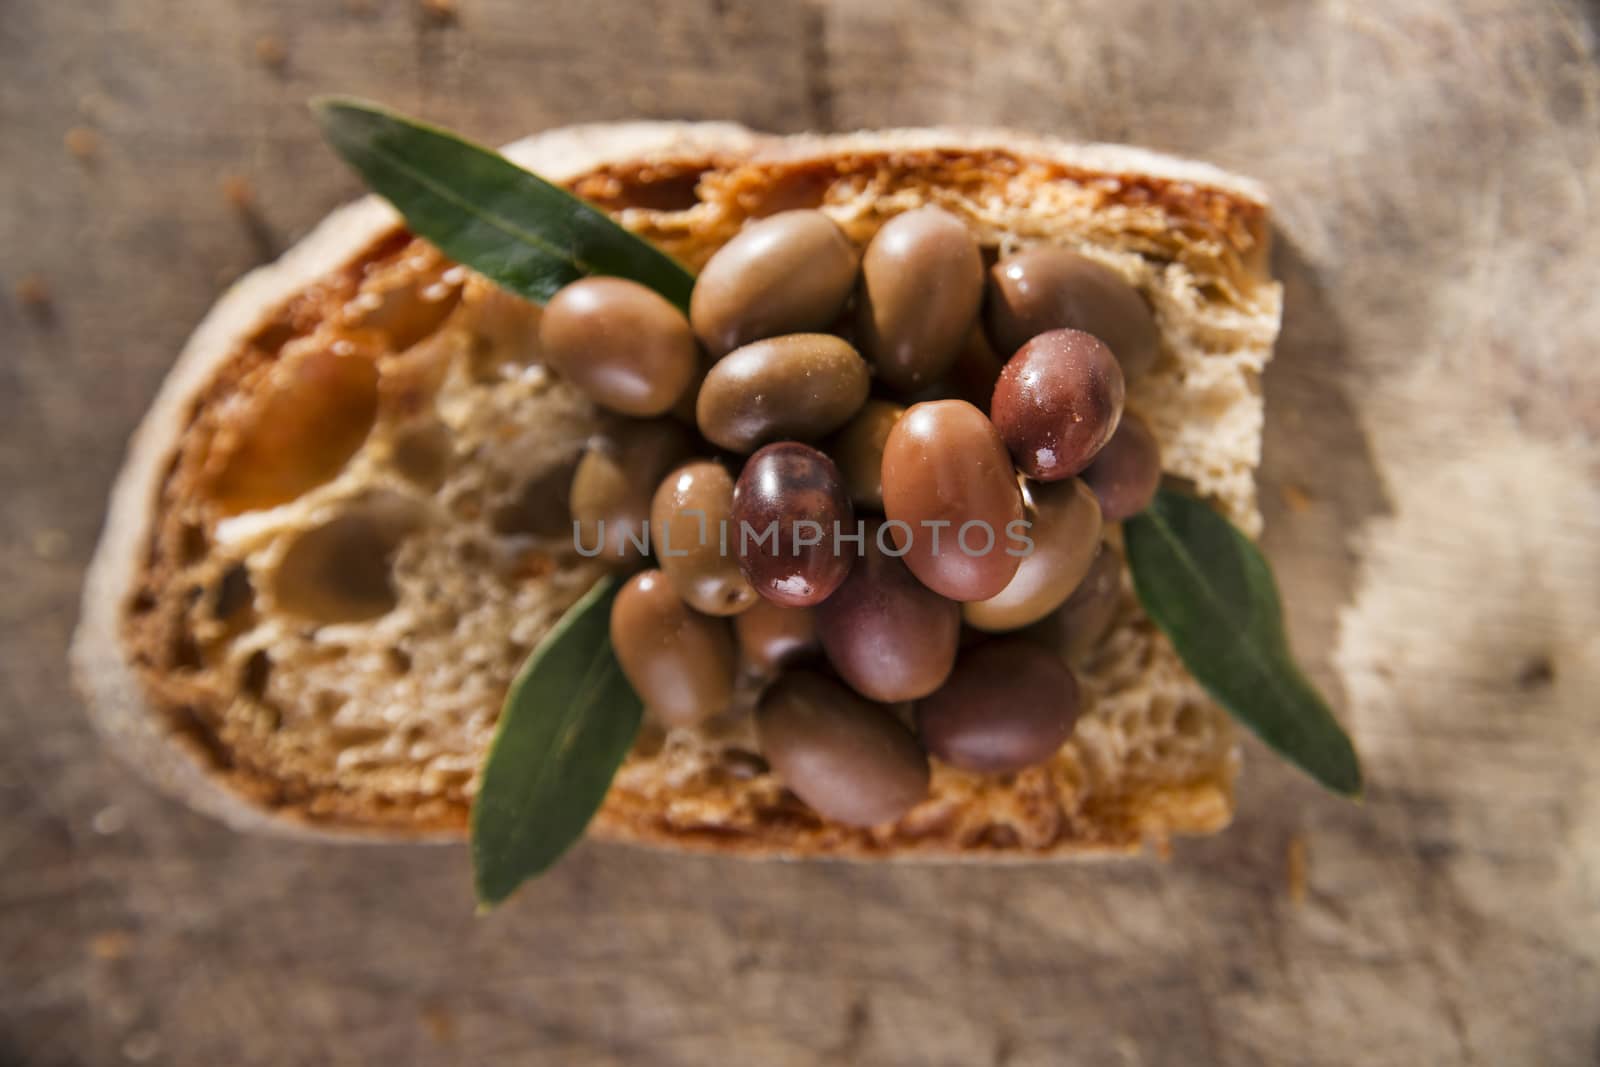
{"x":424,"y":469}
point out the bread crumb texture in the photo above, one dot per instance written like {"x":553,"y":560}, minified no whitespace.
{"x":362,"y":530}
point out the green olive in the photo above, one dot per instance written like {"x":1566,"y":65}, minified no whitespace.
{"x":798,"y":387}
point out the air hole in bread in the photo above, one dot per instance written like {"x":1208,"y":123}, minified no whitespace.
{"x":399,"y":660}
{"x":340,"y":571}
{"x":422,"y":454}
{"x":1190,"y":723}
{"x":183,"y":653}
{"x":256,"y":674}
{"x":271,"y":338}
{"x":192,"y":544}
{"x":313,"y":416}
{"x":234,"y":593}
{"x":406,"y":299}
{"x":540,"y":507}
{"x":326,"y":703}
{"x":797,"y":189}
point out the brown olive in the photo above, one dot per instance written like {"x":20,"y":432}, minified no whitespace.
{"x":787,"y":273}
{"x":1064,"y":526}
{"x":1126,"y":473}
{"x":1008,"y":705}
{"x":949,"y":487}
{"x":849,"y":759}
{"x":975,"y":370}
{"x":615,"y":482}
{"x":858,"y":450}
{"x":921,"y":285}
{"x":889,"y":636}
{"x":788,"y":510}
{"x":1088,"y":612}
{"x":681,"y":663}
{"x":798,"y":387}
{"x":1057,"y":403}
{"x":771,"y":636}
{"x":691,"y":534}
{"x":1044,"y":289}
{"x":624,"y":345}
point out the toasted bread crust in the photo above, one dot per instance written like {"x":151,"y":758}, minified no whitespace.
{"x":689,"y":187}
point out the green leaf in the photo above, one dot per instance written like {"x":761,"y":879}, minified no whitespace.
{"x":482,"y":210}
{"x":568,"y":721}
{"x":1211,"y":592}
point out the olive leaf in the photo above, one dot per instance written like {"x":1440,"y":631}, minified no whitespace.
{"x":1211,"y":592}
{"x":569,"y":719}
{"x":480,"y":209}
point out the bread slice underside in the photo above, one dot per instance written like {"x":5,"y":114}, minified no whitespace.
{"x":365,"y":409}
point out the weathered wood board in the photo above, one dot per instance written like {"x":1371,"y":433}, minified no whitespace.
{"x":1430,"y":480}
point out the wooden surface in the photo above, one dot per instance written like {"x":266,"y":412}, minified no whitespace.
{"x":1430,"y":485}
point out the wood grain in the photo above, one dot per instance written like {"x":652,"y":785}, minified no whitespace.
{"x":1430,"y":479}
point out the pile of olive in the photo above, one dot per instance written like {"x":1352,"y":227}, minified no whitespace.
{"x":846,"y":492}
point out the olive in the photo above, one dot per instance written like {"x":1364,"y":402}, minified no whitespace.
{"x":788,"y":510}
{"x":851,"y":760}
{"x":921,"y":285}
{"x":1057,"y":403}
{"x":1007,"y":706}
{"x":1088,"y":612}
{"x":975,"y":370}
{"x":681,"y":663}
{"x":858,"y":450}
{"x":1043,"y":289}
{"x":890,"y":637}
{"x":689,"y":529}
{"x":787,"y":273}
{"x":771,"y":635}
{"x":798,"y":387}
{"x":624,"y":345}
{"x":1064,"y":526}
{"x":949,"y":487}
{"x":614,"y":482}
{"x":1127,"y":471}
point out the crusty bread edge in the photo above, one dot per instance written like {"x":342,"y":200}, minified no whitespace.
{"x":150,"y":740}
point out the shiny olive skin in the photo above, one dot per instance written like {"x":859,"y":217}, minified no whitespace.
{"x":624,"y":345}
{"x":921,"y":286}
{"x":681,"y":663}
{"x":688,"y":516}
{"x":799,"y":387}
{"x":890,"y":637}
{"x":858,"y":450}
{"x":1057,"y":403}
{"x":1126,"y":473}
{"x":772,"y":636}
{"x":615,"y":481}
{"x":1044,"y":289}
{"x":1008,"y":705}
{"x":788,"y":273}
{"x":781,"y":487}
{"x":850,"y":760}
{"x":1089,"y":611}
{"x":1064,"y":525}
{"x":945,"y":463}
